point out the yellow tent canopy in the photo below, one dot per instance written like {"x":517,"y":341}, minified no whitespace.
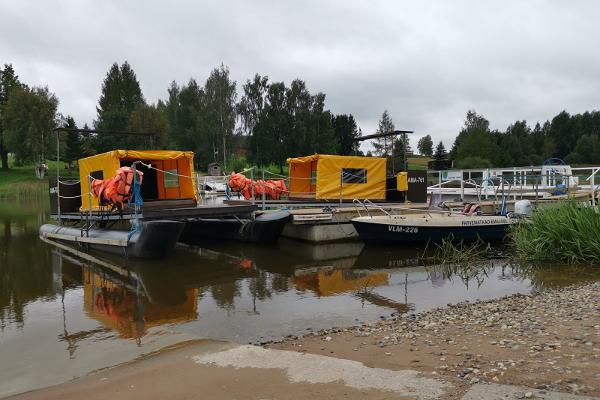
{"x":177,"y":183}
{"x":326,"y":176}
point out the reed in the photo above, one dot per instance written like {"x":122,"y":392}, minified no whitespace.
{"x":566,"y":232}
{"x":467,"y":261}
{"x":451,"y":252}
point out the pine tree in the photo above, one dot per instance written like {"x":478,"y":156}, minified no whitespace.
{"x":73,"y":143}
{"x":346,"y":132}
{"x":383,"y":146}
{"x":121,"y":94}
{"x":440,"y":152}
{"x":398,"y":160}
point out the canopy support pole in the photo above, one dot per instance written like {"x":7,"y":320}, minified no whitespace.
{"x":58,"y":175}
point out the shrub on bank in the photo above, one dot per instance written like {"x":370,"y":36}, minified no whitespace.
{"x":565,"y":232}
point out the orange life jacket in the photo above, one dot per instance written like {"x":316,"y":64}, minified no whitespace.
{"x":116,"y":190}
{"x":271,"y":189}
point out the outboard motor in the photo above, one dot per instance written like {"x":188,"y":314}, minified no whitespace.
{"x":523,"y":208}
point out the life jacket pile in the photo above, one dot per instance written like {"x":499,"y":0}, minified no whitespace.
{"x":115,"y":191}
{"x":272,"y":189}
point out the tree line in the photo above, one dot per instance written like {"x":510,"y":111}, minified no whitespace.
{"x":267,"y":123}
{"x":572,"y":138}
{"x":264,"y":124}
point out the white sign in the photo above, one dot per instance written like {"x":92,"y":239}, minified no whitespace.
{"x":452,"y":175}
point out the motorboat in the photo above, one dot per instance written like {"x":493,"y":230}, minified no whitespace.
{"x":432,"y":227}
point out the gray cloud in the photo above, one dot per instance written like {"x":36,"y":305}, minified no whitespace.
{"x":426,"y":62}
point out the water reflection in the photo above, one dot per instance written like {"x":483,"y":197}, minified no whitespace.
{"x":59,"y":304}
{"x":24,"y":272}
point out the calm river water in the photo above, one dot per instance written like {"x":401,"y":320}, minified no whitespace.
{"x":62,"y":316}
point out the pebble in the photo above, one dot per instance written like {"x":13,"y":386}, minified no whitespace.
{"x":528,"y":325}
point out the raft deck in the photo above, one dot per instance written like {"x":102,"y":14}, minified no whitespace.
{"x":160,"y":212}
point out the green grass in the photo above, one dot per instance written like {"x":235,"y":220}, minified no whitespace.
{"x":418,"y":163}
{"x":565,"y":232}
{"x":21,"y":182}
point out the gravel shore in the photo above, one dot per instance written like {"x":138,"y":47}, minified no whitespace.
{"x":548,"y":340}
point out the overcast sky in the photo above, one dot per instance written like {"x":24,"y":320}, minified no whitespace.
{"x":427,"y":62}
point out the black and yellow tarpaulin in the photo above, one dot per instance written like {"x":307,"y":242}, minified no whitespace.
{"x":178,"y":182}
{"x":327,"y":177}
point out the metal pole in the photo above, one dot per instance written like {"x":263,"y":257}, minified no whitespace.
{"x":58,"y":175}
{"x":593,"y":189}
{"x":263,"y":189}
{"x":341,"y":183}
{"x":252,"y":184}
{"x":462,"y":186}
{"x":89,"y":196}
{"x":514,"y":183}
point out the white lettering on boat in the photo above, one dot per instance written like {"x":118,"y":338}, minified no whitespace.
{"x":403,"y":229}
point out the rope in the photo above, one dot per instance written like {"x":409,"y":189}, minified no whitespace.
{"x":165,"y":172}
{"x":74,"y":197}
{"x":137,"y":201}
{"x":70,"y":183}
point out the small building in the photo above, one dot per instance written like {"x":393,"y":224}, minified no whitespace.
{"x":326,"y":177}
{"x":168,"y":175}
{"x":214,"y":169}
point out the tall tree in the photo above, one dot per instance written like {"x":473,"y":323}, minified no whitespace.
{"x":321,"y":132}
{"x":440,"y":152}
{"x":28,"y":118}
{"x":87,"y":142}
{"x":562,"y":134}
{"x":346,"y":132}
{"x":8,"y":82}
{"x":425,"y":146}
{"x":475,"y":140}
{"x":221,"y":97}
{"x":285,"y":121}
{"x":151,"y":119}
{"x":184,"y":110}
{"x":251,"y":106}
{"x":121,"y":94}
{"x":73,"y":143}
{"x":398,"y":158}
{"x":383,"y":146}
